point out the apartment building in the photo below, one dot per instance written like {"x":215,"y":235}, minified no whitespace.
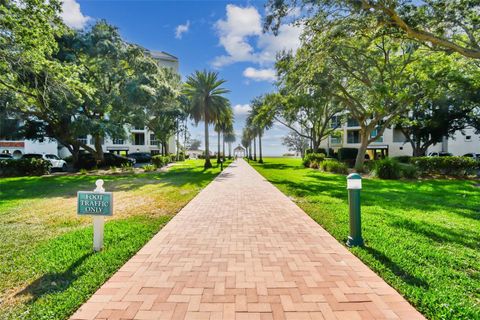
{"x":139,"y":139}
{"x":393,"y":142}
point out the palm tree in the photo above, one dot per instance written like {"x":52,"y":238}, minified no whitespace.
{"x":258,"y":121}
{"x":205,"y":94}
{"x":247,"y":142}
{"x":223,"y":122}
{"x":229,"y":137}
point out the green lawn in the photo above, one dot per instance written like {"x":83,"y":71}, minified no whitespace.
{"x":47,"y":265}
{"x":422,"y":237}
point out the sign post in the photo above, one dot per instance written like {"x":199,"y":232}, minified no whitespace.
{"x":98,"y":204}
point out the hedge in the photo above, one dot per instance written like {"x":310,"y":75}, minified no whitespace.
{"x":334,"y":166}
{"x":24,"y":167}
{"x":455,"y":166}
{"x":311,"y":158}
{"x":160,"y":161}
{"x":387,"y":168}
{"x":403,"y":159}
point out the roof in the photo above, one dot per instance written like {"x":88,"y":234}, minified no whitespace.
{"x":162,"y":55}
{"x":239,"y":147}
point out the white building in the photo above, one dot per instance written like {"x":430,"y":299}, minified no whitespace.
{"x":393,"y":143}
{"x":139,"y":139}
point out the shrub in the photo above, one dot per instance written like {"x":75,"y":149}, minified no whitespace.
{"x":369,"y":165}
{"x":312,"y":157}
{"x":24,"y":167}
{"x":149,"y":168}
{"x":127,"y":167}
{"x":314,"y":164}
{"x":408,"y":171}
{"x":387,"y":168}
{"x":324,"y":151}
{"x":172,"y":158}
{"x":456,"y":166}
{"x":347,"y":154}
{"x":403,"y":159}
{"x":334,"y":166}
{"x":68,"y":159}
{"x":160,"y":161}
{"x":83,"y":171}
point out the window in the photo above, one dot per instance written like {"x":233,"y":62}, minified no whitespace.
{"x":138,"y":139}
{"x":335,"y":123}
{"x":153,"y":140}
{"x":335,"y":140}
{"x":374,"y":134}
{"x":468,"y":138}
{"x":118,"y":141}
{"x":138,"y":127}
{"x":51,"y":156}
{"x":351,"y":122}
{"x":353,"y":136}
{"x":82,"y":139}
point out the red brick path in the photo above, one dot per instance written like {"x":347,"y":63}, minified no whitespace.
{"x":242,"y":250}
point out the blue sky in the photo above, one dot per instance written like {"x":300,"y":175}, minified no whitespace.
{"x":225,"y":36}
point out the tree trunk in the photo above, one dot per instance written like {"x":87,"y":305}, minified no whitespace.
{"x":98,"y":149}
{"x":260,"y":148}
{"x":359,"y":161}
{"x":207,"y":164}
{"x":223,"y":152}
{"x":165,"y":147}
{"x":254,"y":149}
{"x":218,"y":146}
{"x":229,"y":150}
{"x":250,"y":151}
{"x":177,"y":157}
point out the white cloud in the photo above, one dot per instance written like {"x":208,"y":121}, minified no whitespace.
{"x":233,"y":32}
{"x":241,"y":109}
{"x":181,"y":29}
{"x":240,"y":34}
{"x":288,"y":38}
{"x":260,"y":74}
{"x":72,"y":16}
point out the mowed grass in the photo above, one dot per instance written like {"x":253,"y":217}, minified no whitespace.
{"x":422,"y":237}
{"x":47,"y":265}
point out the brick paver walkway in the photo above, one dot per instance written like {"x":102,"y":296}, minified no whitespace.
{"x":242,"y":250}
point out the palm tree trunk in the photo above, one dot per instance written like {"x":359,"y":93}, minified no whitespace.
{"x":223,"y":152}
{"x":250,"y":151}
{"x":260,"y":147}
{"x":218,"y":146}
{"x":229,"y":150}
{"x":254,"y":149}
{"x":207,"y":164}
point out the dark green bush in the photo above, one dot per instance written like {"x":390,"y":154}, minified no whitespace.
{"x":334,"y":166}
{"x":403,"y":159}
{"x":455,"y":166}
{"x":408,"y":171}
{"x":160,"y":161}
{"x":172,"y":158}
{"x":24,"y":167}
{"x":324,"y":151}
{"x":387,"y":168}
{"x":312,"y":157}
{"x":68,"y":159}
{"x":347,"y":154}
